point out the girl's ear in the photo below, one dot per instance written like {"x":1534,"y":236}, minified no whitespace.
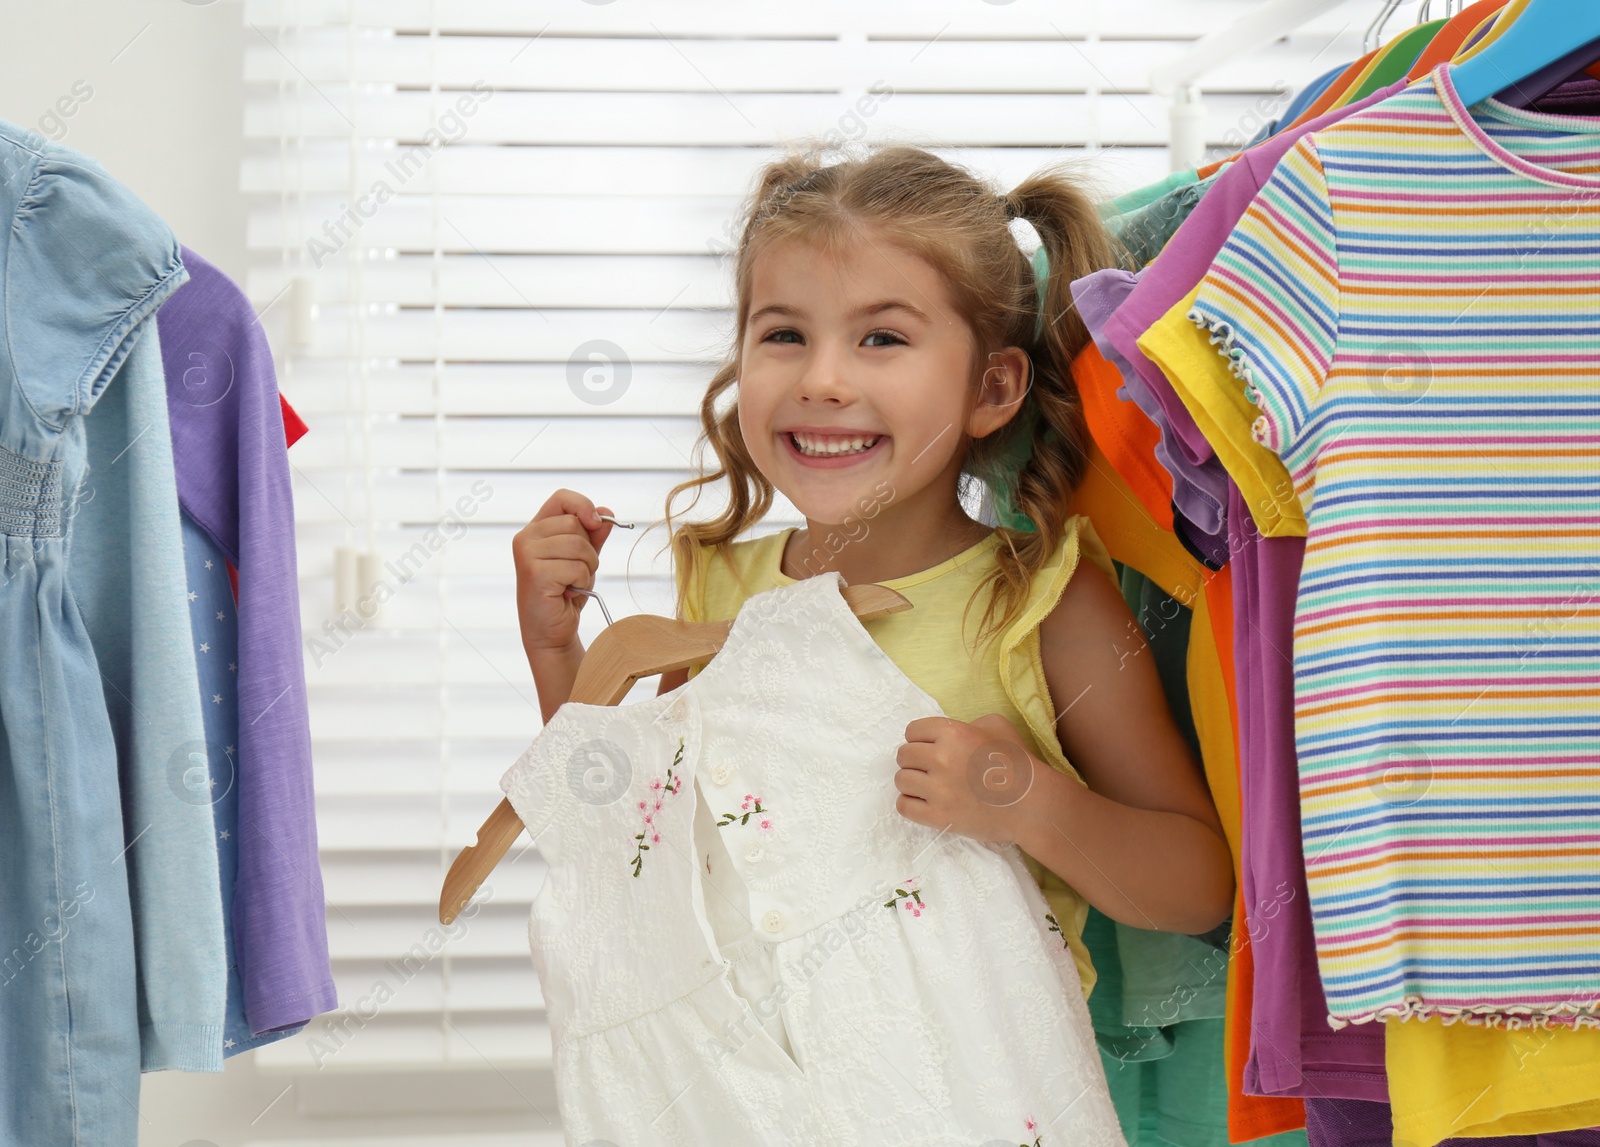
{"x":1005,"y":383}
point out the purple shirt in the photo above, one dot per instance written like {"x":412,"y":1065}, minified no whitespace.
{"x":1293,"y":1051}
{"x":1199,"y":490}
{"x":1187,"y":256}
{"x":1352,"y":1123}
{"x":232,"y":469}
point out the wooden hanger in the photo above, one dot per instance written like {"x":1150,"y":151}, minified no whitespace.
{"x":638,"y":646}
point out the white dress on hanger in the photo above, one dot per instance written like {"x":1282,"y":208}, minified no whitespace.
{"x":741,"y":941}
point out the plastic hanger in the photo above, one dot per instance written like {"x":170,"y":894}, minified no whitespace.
{"x":1491,"y":30}
{"x":641,"y":645}
{"x":1388,"y":62}
{"x":1484,"y":31}
{"x":1488,"y":30}
{"x":1395,"y":60}
{"x":1453,"y":35}
{"x":1347,"y":96}
{"x":1371,"y":60}
{"x":1544,"y":32}
{"x":1325,"y":101}
{"x":1463,"y":34}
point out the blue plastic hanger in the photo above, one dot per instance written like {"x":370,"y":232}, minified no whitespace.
{"x":1546,"y":31}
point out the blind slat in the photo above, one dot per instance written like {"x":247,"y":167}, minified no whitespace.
{"x":325,"y":167}
{"x":753,"y":119}
{"x":512,"y":390}
{"x":710,"y":19}
{"x":654,"y":64}
{"x":417,"y":499}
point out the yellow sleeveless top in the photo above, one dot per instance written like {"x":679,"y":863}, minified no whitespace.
{"x":927,"y":644}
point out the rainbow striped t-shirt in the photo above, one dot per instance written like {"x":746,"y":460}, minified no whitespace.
{"x":1413,"y":301}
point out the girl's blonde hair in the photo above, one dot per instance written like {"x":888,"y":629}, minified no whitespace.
{"x":960,"y":225}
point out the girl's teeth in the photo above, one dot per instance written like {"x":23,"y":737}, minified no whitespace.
{"x":840,"y":446}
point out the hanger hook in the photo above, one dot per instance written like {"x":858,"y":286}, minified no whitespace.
{"x":1373,"y":36}
{"x":604,"y":612}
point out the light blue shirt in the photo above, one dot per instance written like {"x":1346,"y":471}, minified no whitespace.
{"x":126,"y":570}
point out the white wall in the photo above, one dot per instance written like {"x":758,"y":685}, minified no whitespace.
{"x":166,"y":107}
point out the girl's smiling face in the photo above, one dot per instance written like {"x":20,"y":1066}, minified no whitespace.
{"x":863,"y":349}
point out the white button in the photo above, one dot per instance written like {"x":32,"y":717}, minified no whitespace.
{"x":754,"y":853}
{"x":721,"y":774}
{"x":772,"y":921}
{"x":678,"y":709}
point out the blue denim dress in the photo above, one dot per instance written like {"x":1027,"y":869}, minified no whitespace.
{"x":84,"y":267}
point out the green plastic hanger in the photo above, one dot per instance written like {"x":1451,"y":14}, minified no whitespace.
{"x":1395,"y":63}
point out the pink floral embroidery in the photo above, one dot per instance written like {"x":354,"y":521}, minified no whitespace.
{"x":908,"y":897}
{"x":750,"y":808}
{"x":1056,"y":928}
{"x":1034,"y":1129}
{"x":652,"y":805}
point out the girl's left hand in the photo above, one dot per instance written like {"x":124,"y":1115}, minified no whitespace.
{"x":969,"y":777}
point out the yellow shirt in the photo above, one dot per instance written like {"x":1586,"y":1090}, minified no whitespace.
{"x":1444,"y":1081}
{"x":1215,"y":399}
{"x":927,"y":644}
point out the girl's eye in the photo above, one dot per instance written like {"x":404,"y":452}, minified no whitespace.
{"x":777,"y":335}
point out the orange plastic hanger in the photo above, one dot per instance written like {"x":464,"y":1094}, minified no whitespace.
{"x":1450,"y":38}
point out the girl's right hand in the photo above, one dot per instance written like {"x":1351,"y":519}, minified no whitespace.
{"x":558,"y":549}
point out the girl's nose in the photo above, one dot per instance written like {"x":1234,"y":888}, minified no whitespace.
{"x":825,"y":379}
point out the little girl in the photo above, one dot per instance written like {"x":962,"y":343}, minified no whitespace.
{"x":892,"y":347}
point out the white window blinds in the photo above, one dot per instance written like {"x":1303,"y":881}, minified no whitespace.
{"x":486,"y":238}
